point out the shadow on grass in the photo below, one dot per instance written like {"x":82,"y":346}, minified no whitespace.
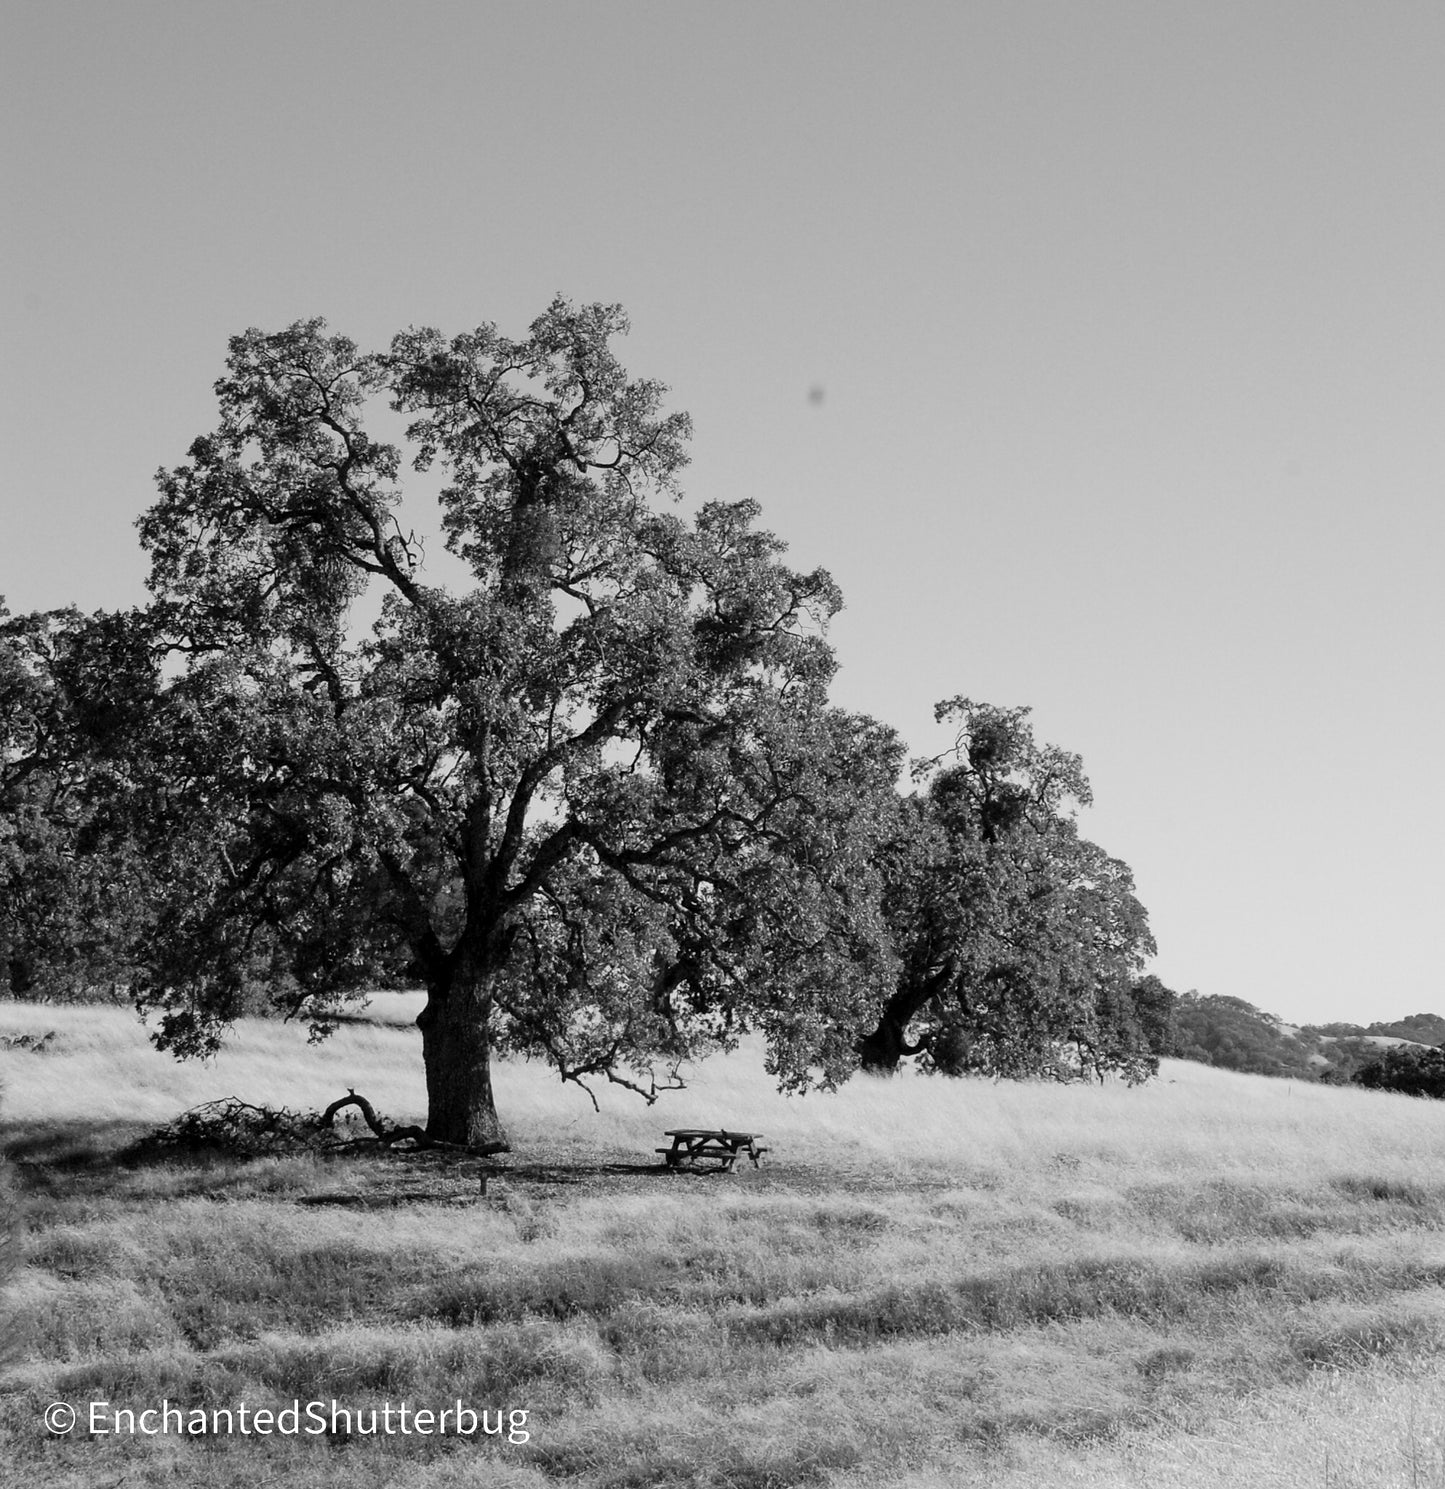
{"x":87,"y":1145}
{"x":463,"y":1171}
{"x":577,"y":1173}
{"x":108,"y":1158}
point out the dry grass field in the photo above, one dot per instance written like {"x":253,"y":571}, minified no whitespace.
{"x":1212,"y":1279}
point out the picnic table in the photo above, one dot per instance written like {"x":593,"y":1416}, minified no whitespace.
{"x":694,"y":1145}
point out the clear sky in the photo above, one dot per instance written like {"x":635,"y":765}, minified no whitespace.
{"x":1128,"y":322}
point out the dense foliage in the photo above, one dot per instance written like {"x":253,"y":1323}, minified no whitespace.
{"x":71,"y":690}
{"x":1415,"y":1070}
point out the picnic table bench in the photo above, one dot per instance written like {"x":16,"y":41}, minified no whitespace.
{"x":694,"y":1145}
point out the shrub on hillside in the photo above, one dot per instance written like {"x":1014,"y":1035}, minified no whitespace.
{"x":1346,"y":1056}
{"x":1415,"y":1070}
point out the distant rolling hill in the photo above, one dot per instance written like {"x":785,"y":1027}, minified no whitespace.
{"x":1235,"y":1035}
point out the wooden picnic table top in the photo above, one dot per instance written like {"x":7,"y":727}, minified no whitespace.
{"x":726,"y":1134}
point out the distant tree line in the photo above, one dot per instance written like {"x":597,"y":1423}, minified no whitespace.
{"x":1422,"y":1028}
{"x":1235,"y":1035}
{"x":1217,"y":1029}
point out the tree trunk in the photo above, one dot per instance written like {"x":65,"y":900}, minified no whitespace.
{"x":881,"y":1050}
{"x":456,"y":1048}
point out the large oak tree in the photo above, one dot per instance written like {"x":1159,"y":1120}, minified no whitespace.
{"x":1018,"y":942}
{"x":594,"y":799}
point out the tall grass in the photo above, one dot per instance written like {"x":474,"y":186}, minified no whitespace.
{"x":1379,"y":1425}
{"x":1194,"y":1121}
{"x":929,"y":1282}
{"x":10,"y":1342}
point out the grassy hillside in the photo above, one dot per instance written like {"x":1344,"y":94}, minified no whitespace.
{"x":929,"y":1283}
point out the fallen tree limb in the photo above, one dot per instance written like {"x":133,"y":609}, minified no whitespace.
{"x":391,"y":1134}
{"x":248,"y":1131}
